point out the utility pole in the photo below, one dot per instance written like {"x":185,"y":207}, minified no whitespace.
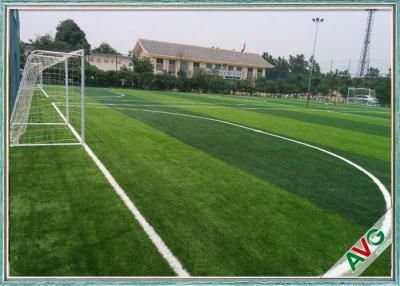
{"x":348,"y":67}
{"x":317,"y":21}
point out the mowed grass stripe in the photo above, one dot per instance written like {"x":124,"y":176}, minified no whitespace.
{"x":356,"y":142}
{"x":324,"y":180}
{"x":384,"y":131}
{"x":378,"y":167}
{"x":215,"y":218}
{"x":306,"y":115}
{"x":65,"y":220}
{"x":347,"y":109}
{"x":219,"y":101}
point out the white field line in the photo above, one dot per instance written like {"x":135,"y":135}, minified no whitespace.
{"x":175,"y":102}
{"x":39,"y":123}
{"x":148,"y":229}
{"x":190,"y":106}
{"x":101,"y":97}
{"x":44,"y":144}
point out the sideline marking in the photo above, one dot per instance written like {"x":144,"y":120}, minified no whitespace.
{"x":148,"y":229}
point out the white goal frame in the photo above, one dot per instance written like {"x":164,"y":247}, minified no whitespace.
{"x":32,"y":82}
{"x":371,"y":92}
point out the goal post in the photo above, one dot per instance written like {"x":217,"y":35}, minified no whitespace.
{"x":50,"y":103}
{"x":361,"y":95}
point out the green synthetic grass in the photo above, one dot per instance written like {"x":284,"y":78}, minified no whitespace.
{"x":322,"y":179}
{"x":65,"y":219}
{"x":356,"y":142}
{"x":228,"y":201}
{"x":217,"y":219}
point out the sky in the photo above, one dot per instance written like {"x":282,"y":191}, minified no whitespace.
{"x":278,"y":32}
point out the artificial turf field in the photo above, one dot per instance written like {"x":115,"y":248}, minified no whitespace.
{"x":226,"y":200}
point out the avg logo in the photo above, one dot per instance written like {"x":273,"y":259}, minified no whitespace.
{"x":374,"y":237}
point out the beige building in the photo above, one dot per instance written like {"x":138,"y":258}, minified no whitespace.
{"x":107,"y":62}
{"x":191,"y":60}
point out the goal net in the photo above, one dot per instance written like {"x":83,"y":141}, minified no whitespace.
{"x":49,"y":108}
{"x":361,"y":95}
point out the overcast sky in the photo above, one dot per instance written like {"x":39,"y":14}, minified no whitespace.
{"x":278,"y":32}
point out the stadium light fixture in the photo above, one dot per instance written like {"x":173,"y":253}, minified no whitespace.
{"x":317,"y":21}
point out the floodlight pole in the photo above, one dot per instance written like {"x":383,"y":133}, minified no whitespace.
{"x":317,"y":21}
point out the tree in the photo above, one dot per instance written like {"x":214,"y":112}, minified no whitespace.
{"x":70,"y":36}
{"x":383,"y":91}
{"x":280,"y":69}
{"x":298,"y":64}
{"x":269,"y":58}
{"x":389,"y":75}
{"x":142,"y":65}
{"x":372,"y":73}
{"x":315,"y":65}
{"x":105,"y":48}
{"x":45,"y":42}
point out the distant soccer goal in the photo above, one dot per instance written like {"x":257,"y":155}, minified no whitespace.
{"x":360,"y":95}
{"x":49,"y":108}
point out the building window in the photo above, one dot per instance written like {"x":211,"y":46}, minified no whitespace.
{"x":239,"y":69}
{"x":209,"y":66}
{"x":159,"y":64}
{"x":91,"y":59}
{"x":196,"y":68}
{"x":112,"y":61}
{"x":98,"y":60}
{"x":259,"y":72}
{"x":249,"y":73}
{"x":106,"y":60}
{"x":217,"y":66}
{"x":171,"y":66}
{"x":184,"y":67}
{"x":230,"y":68}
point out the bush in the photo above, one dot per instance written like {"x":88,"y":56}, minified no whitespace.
{"x":203,"y":83}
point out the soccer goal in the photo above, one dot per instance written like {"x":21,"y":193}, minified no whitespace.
{"x":50,"y":104}
{"x":361,"y":95}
